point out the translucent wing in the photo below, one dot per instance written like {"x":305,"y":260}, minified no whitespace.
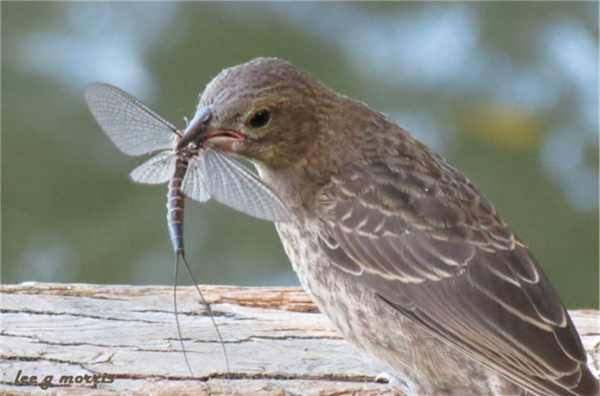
{"x":132,"y":126}
{"x":194,"y":183}
{"x":232,"y":184}
{"x":157,"y":170}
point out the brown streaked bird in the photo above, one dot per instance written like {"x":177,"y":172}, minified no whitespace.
{"x":410,"y":262}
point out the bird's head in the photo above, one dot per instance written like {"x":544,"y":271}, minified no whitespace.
{"x":264,"y":110}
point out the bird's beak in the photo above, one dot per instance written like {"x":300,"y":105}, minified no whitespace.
{"x":197,"y":128}
{"x":201,"y":129}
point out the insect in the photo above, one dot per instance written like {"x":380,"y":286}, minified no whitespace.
{"x":192,"y":168}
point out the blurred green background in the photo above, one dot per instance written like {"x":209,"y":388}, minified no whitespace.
{"x":508,"y":92}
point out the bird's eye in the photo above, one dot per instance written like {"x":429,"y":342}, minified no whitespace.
{"x":260,"y":118}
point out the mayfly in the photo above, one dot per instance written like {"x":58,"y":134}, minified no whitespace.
{"x":192,"y":167}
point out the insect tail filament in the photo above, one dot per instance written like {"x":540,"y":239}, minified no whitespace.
{"x":208,"y":310}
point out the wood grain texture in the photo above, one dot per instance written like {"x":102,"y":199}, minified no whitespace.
{"x":278,"y":343}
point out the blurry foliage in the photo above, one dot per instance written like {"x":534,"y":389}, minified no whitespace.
{"x":477,"y":81}
{"x":500,"y":125}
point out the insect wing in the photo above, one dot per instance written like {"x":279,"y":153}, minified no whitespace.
{"x":157,"y":170}
{"x":234,"y":185}
{"x":132,"y":126}
{"x":194,"y":182}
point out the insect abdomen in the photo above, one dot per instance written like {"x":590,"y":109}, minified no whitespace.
{"x":175,"y":205}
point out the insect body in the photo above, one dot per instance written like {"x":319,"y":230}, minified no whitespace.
{"x":192,"y":168}
{"x":175,"y":204}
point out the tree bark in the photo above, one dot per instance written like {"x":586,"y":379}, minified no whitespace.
{"x":126,"y":336}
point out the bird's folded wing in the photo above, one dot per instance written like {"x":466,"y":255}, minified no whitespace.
{"x":428,"y":243}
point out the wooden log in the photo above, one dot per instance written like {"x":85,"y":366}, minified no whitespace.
{"x":277,"y":343}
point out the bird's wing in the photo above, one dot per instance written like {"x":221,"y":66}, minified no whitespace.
{"x":132,"y":126}
{"x":428,"y":243}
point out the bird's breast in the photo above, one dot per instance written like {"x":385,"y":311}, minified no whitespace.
{"x":425,"y":364}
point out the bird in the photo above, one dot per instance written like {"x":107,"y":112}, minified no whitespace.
{"x":398,"y":249}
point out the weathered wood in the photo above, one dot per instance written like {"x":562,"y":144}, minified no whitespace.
{"x":277,"y":342}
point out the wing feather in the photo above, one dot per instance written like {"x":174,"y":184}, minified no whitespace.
{"x":434,"y":248}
